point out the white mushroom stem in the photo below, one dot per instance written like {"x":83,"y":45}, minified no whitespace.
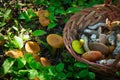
{"x":88,"y":31}
{"x":85,"y":45}
{"x":117,"y":49}
{"x":111,"y":38}
{"x":97,"y":25}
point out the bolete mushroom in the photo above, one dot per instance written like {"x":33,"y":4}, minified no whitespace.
{"x":92,"y":56}
{"x":99,"y":47}
{"x":14,"y":53}
{"x":55,"y":41}
{"x":32,"y":47}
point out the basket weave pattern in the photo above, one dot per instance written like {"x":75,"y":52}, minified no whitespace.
{"x":86,"y":17}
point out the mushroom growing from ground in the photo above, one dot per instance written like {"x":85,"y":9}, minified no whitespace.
{"x":43,"y":17}
{"x":99,"y":47}
{"x":44,"y":61}
{"x":32,"y":47}
{"x":55,"y":41}
{"x":14,"y":53}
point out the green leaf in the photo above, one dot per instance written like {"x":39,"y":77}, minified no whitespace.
{"x":8,"y":63}
{"x":61,"y":76}
{"x":2,"y":24}
{"x":28,"y":57}
{"x":32,"y":74}
{"x":21,"y":62}
{"x":84,"y":73}
{"x":38,"y":33}
{"x":44,"y":76}
{"x":31,"y":13}
{"x":23,"y":72}
{"x":1,"y":38}
{"x":80,"y":65}
{"x":60,"y":67}
{"x":52,"y":25}
{"x":37,"y":2}
{"x":73,"y":9}
{"x":52,"y":71}
{"x":92,"y":75}
{"x":33,"y":64}
{"x":19,"y":42}
{"x":60,"y":11}
{"x":7,"y":14}
{"x":24,"y":16}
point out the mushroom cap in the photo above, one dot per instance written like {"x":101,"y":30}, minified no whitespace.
{"x":54,"y":40}
{"x":92,"y":56}
{"x":99,"y":47}
{"x":43,"y":14}
{"x":44,"y":21}
{"x":14,"y":53}
{"x":115,"y":25}
{"x":32,"y":47}
{"x":44,"y":61}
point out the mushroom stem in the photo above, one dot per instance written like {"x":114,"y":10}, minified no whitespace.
{"x":84,"y":37}
{"x":117,"y":49}
{"x":97,"y":25}
{"x":111,"y":38}
{"x":54,"y":50}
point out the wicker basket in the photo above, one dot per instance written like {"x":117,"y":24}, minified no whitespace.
{"x":84,"y":18}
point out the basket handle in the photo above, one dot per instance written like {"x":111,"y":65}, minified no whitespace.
{"x":110,"y":2}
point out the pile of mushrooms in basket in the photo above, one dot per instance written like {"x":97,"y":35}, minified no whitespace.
{"x":99,"y":43}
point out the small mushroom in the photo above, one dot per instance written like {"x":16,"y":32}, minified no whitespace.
{"x":43,"y":17}
{"x":32,"y":47}
{"x":92,"y":56}
{"x":14,"y":53}
{"x":55,"y":41}
{"x":44,"y":61}
{"x":99,"y":47}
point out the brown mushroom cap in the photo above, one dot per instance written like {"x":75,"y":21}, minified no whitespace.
{"x":99,"y":47}
{"x":32,"y":47}
{"x":92,"y":56}
{"x":14,"y":53}
{"x":44,"y":61}
{"x":43,"y":14}
{"x":54,"y":40}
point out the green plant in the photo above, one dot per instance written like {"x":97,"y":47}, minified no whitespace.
{"x":27,"y":15}
{"x":29,"y":68}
